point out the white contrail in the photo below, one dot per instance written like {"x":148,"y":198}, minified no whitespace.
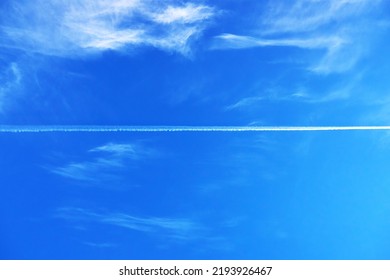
{"x":124,"y":128}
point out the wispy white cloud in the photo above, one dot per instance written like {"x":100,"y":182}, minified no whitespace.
{"x":240,"y":42}
{"x":10,"y":80}
{"x":79,"y":27}
{"x":335,"y":95}
{"x":107,"y":164}
{"x":99,"y":170}
{"x":302,"y":95}
{"x":121,"y":150}
{"x":175,"y":228}
{"x":310,"y":15}
{"x":334,"y":26}
{"x":188,"y":13}
{"x":254,"y":101}
{"x":245,"y":102}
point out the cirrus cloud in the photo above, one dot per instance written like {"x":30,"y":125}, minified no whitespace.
{"x":78,"y":27}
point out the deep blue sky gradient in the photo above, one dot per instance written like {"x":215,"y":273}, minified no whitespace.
{"x":190,"y":195}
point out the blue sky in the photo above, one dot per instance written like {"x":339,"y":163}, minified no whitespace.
{"x":195,"y":195}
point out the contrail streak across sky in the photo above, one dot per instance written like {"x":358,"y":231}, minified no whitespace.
{"x":124,"y":128}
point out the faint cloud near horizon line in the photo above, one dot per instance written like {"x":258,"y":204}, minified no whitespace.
{"x":82,"y":27}
{"x":299,"y":96}
{"x":302,"y":94}
{"x":332,"y":26}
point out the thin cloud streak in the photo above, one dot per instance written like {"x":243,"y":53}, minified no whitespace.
{"x":112,"y":159}
{"x":135,"y":129}
{"x":117,"y":150}
{"x":231,"y":41}
{"x":301,"y":95}
{"x":175,"y":228}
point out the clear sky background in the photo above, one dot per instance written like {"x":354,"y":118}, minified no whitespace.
{"x":195,"y":195}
